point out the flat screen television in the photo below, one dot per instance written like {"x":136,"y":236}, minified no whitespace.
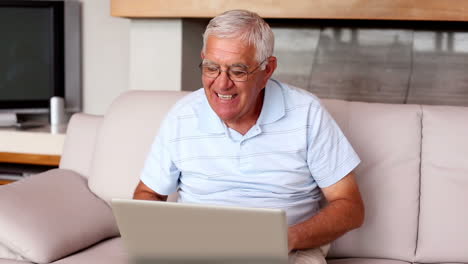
{"x":39,"y":55}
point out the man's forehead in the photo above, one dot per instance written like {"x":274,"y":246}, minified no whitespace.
{"x":230,"y":49}
{"x":228,"y":42}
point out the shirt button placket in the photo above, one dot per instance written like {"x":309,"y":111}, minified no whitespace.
{"x":242,"y":163}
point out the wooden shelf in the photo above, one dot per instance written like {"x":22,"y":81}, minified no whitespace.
{"x":37,"y":147}
{"x":2,"y":182}
{"x":34,"y":159}
{"x":425,"y":10}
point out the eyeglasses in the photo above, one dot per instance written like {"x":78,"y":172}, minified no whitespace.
{"x":236,"y":73}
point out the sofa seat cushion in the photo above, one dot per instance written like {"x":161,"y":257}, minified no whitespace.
{"x":107,"y":252}
{"x":364,"y":261}
{"x":51,"y":215}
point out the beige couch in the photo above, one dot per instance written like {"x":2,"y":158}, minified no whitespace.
{"x":413,"y":178}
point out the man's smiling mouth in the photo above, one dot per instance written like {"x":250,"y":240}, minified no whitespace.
{"x":226,"y":96}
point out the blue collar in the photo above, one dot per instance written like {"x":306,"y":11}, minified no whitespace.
{"x":272,"y":110}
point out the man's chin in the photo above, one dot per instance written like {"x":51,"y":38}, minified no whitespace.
{"x":226,"y":118}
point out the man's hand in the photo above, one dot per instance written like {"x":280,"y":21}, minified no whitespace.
{"x":344,"y":212}
{"x":143,"y":192}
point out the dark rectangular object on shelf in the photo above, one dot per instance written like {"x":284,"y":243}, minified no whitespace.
{"x":39,"y":55}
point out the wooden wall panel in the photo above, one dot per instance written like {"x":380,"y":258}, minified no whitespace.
{"x":432,"y":10}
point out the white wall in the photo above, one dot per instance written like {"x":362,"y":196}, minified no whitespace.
{"x":121,"y":54}
{"x":105,"y":51}
{"x":156,"y":54}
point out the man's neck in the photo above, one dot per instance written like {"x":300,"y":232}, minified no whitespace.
{"x":243,"y":125}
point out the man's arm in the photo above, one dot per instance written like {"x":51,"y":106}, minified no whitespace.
{"x":143,"y":192}
{"x":344,"y":212}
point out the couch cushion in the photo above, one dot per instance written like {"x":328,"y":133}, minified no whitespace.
{"x":387,"y":138}
{"x":364,"y":261}
{"x":9,"y":261}
{"x":51,"y":215}
{"x":443,"y":231}
{"x":107,"y":252}
{"x":124,"y":139}
{"x":79,"y":143}
{"x":6,"y":253}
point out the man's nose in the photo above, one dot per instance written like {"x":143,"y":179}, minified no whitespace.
{"x":223,"y":81}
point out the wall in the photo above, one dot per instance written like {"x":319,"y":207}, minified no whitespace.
{"x":105,"y":50}
{"x":121,"y":54}
{"x":155,"y":54}
{"x":398,"y":62}
{"x":192,"y":44}
{"x":165,"y":53}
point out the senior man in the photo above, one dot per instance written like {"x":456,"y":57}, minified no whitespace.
{"x":245,"y":139}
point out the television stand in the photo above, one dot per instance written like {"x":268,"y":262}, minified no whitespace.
{"x":8,"y":119}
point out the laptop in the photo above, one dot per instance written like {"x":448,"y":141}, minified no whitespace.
{"x":175,"y":233}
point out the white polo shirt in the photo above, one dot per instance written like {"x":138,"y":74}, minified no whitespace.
{"x":293,"y":150}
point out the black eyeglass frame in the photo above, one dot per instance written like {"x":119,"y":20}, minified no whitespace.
{"x":229,"y":75}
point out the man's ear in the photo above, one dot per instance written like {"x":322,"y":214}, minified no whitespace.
{"x":271,"y":66}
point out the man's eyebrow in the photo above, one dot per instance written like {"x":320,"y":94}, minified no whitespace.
{"x":208,"y":62}
{"x":212,"y":63}
{"x":241,"y":65}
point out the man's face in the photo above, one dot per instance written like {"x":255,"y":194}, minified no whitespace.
{"x":236,"y":103}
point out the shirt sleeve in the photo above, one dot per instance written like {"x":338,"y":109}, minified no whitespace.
{"x":159,"y":171}
{"x":330,"y":156}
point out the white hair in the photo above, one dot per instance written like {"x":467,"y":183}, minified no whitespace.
{"x":246,"y":25}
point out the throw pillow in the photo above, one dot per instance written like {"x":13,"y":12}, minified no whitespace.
{"x":51,"y":215}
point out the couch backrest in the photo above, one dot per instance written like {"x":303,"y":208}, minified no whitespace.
{"x":443,"y":221}
{"x":79,"y":143}
{"x":388,"y":140}
{"x":124,"y":139}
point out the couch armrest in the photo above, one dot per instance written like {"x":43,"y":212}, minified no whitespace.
{"x":78,"y":148}
{"x":53,"y":214}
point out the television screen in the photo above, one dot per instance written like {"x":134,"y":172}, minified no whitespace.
{"x":31,"y":59}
